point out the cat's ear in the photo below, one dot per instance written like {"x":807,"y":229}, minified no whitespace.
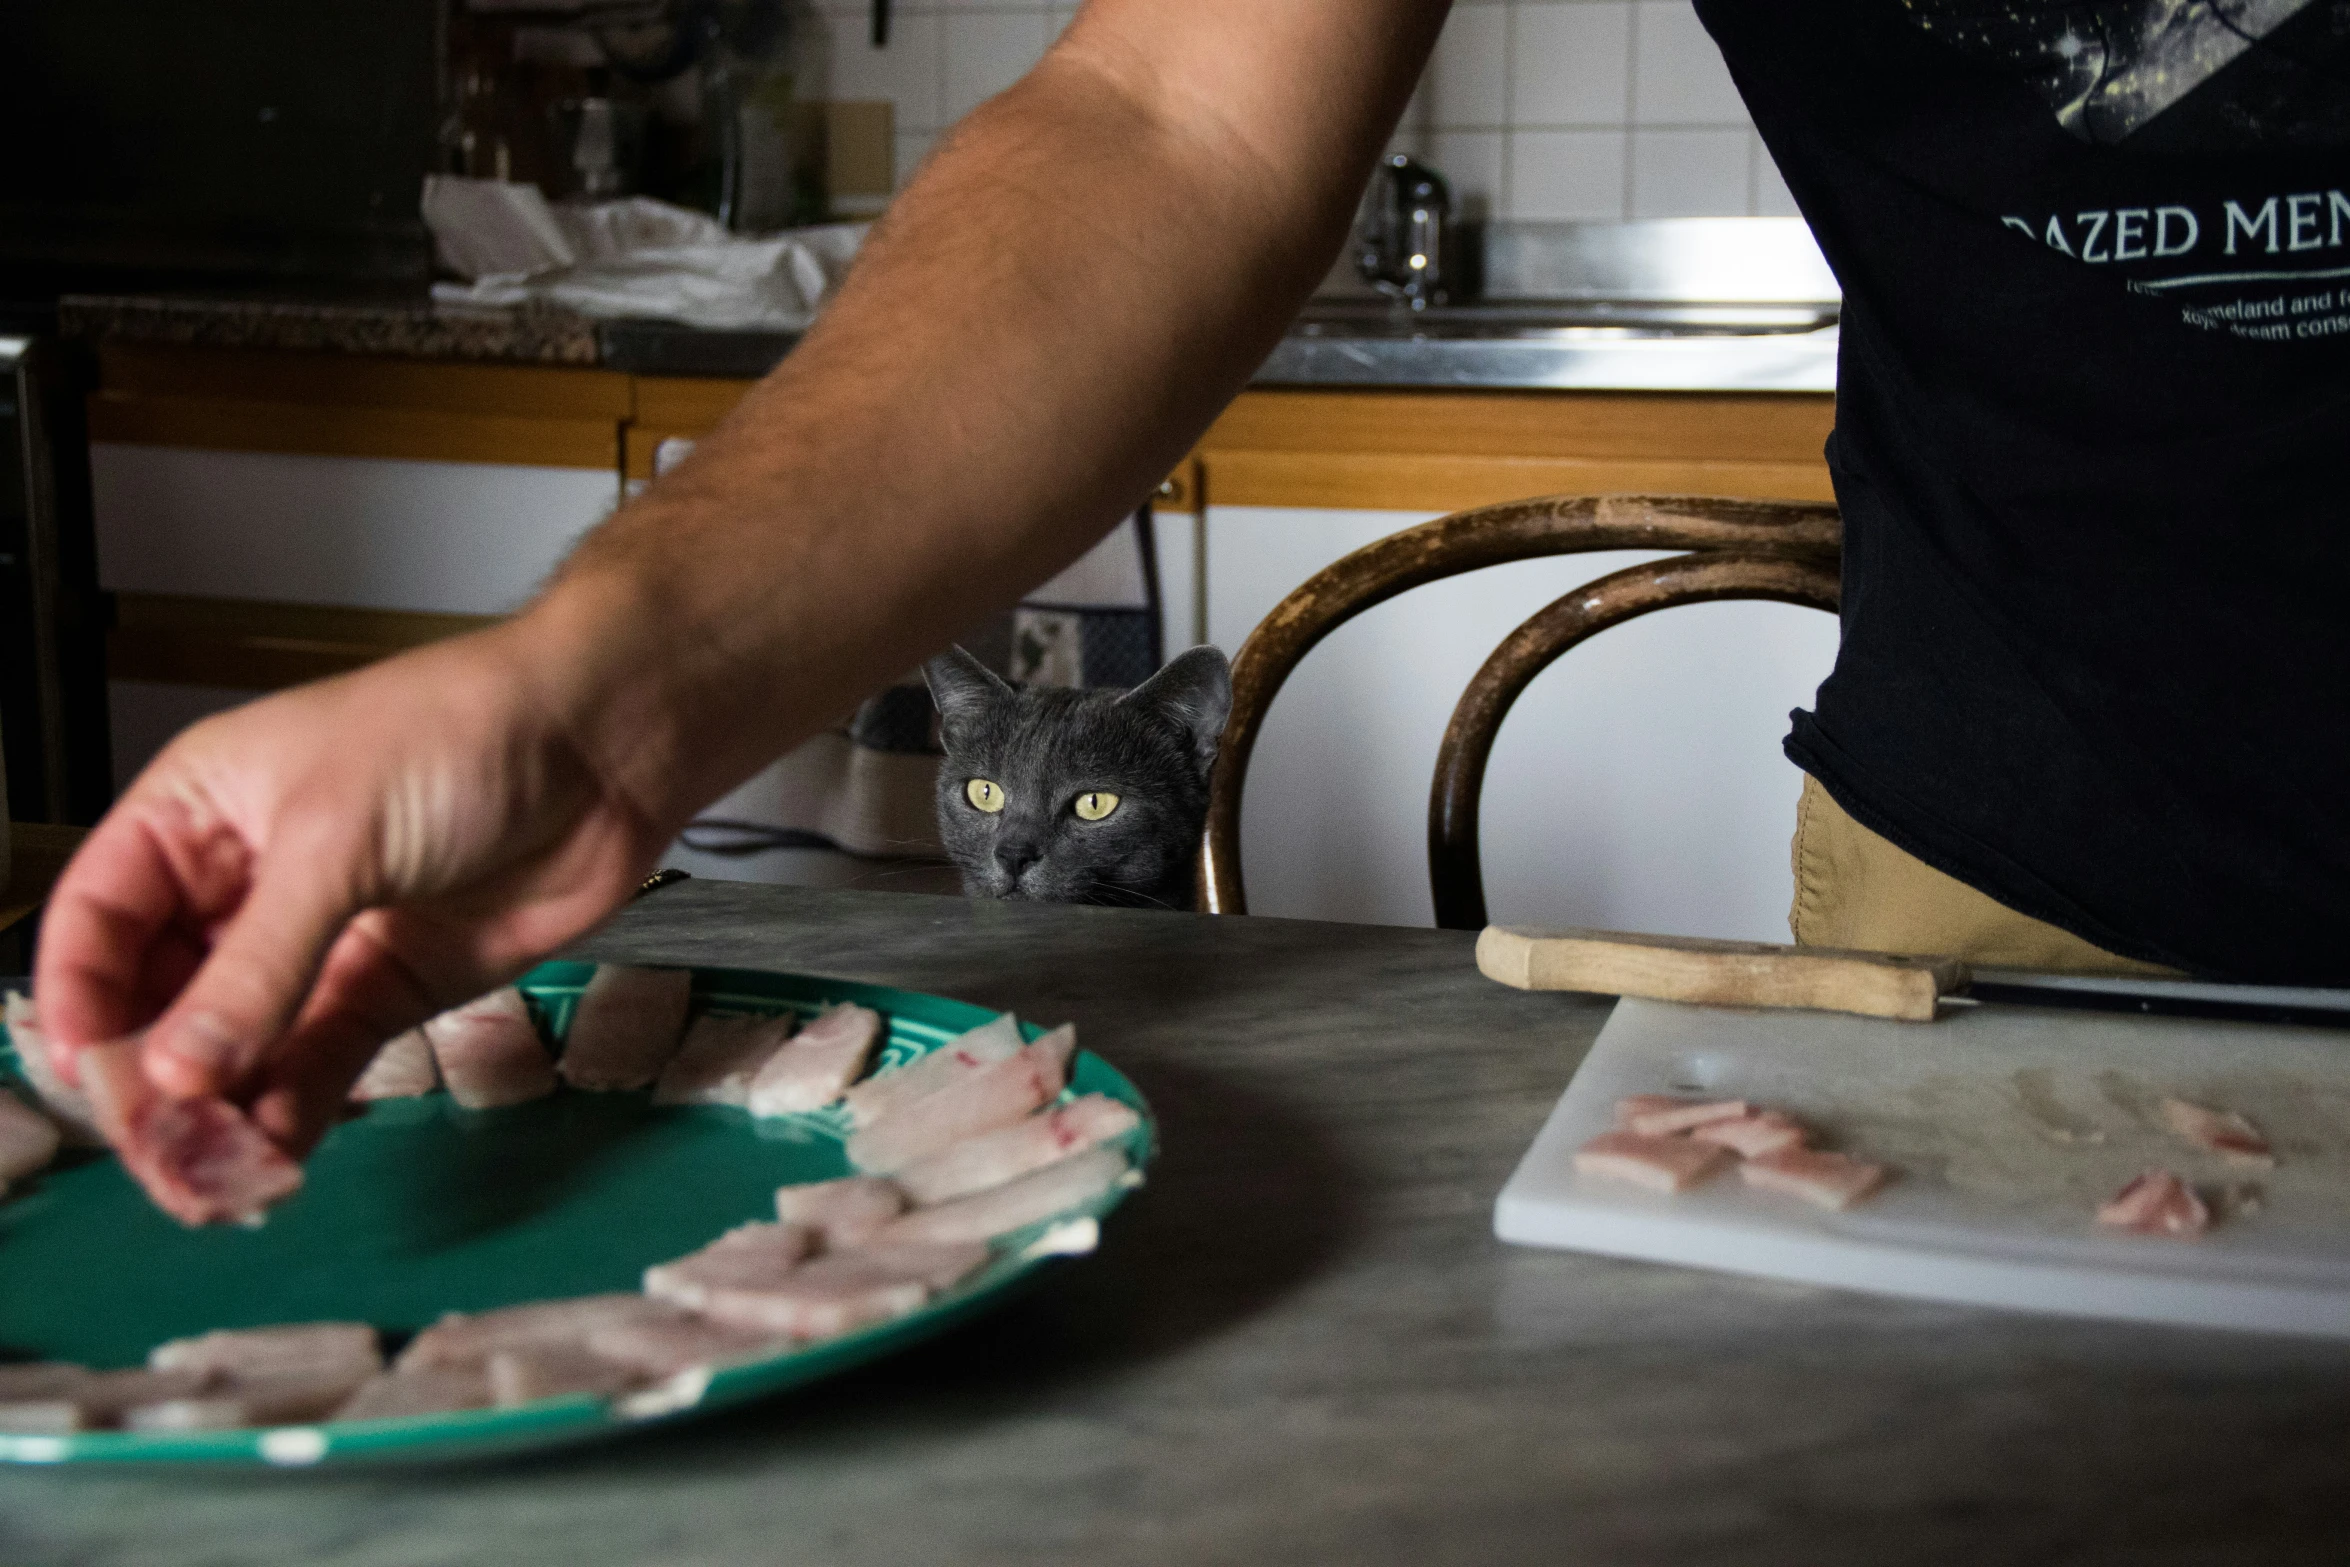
{"x":1194,"y":692}
{"x":962,"y":688}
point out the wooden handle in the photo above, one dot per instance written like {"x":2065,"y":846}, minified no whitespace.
{"x":1719,"y":973}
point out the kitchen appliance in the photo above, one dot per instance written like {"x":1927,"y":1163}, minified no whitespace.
{"x":2006,"y":1127}
{"x":52,"y":617}
{"x":1406,"y":240}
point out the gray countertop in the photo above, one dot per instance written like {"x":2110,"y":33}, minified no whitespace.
{"x":414,"y":326}
{"x":1301,"y":1343}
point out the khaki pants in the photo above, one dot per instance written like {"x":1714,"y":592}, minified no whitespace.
{"x":1855,"y":889}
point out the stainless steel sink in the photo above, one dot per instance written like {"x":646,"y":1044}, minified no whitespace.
{"x":1521,"y":318}
{"x":1673,"y":304}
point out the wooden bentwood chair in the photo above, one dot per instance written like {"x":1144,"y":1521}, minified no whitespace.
{"x":1781,"y":550}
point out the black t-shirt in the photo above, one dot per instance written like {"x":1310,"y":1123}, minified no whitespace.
{"x":2092,"y":450}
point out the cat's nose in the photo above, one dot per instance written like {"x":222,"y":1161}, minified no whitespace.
{"x":1016,"y":856}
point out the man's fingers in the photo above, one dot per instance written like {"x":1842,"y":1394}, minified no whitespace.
{"x":248,"y":990}
{"x":119,"y":907}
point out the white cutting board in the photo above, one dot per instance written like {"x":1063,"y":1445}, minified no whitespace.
{"x":2007,"y":1126}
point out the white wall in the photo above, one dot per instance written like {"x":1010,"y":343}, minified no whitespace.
{"x":1536,"y":109}
{"x":1636,"y":785}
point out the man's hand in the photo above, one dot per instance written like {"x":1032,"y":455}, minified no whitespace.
{"x":293,"y":882}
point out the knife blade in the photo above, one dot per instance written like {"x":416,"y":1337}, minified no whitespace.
{"x":1872,"y":984}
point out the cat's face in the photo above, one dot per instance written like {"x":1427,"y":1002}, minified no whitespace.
{"x":1078,"y":796}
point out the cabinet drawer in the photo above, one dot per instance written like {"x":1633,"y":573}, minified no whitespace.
{"x":376,"y":533}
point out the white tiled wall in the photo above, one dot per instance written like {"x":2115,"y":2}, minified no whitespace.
{"x":1559,"y":109}
{"x":1534,"y":109}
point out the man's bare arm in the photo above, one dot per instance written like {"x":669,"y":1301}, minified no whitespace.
{"x":1082,"y":277}
{"x":1084,"y":274}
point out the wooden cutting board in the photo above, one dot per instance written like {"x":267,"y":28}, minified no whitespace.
{"x":2007,"y":1126}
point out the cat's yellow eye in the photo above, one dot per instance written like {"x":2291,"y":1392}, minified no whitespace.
{"x":984,"y":793}
{"x":1095,"y":804}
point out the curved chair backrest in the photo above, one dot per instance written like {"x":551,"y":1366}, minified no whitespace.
{"x":1782,"y":550}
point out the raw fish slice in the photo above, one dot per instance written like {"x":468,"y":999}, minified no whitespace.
{"x":402,"y":1069}
{"x":1830,"y":1180}
{"x":489,"y":1053}
{"x":1664,"y":1164}
{"x":985,"y":1045}
{"x":37,"y":1399}
{"x":68,"y":1107}
{"x":1040,"y":1194}
{"x":2222,"y":1132}
{"x":747,"y":1256}
{"x":40,"y":1378}
{"x":1013,"y":1151}
{"x":819,"y":1063}
{"x":973,"y":1102}
{"x":98,"y":1399}
{"x":845,"y":1212}
{"x":28,"y":1139}
{"x":395,"y":1395}
{"x":281,"y":1398}
{"x":720,"y":1057}
{"x":199,"y":1159}
{"x":532,"y":1372}
{"x":1661,"y":1115}
{"x":626,"y":1026}
{"x":2156,"y":1202}
{"x":468,"y":1339}
{"x":846,"y":1290}
{"x":1752,"y":1135}
{"x":656,"y":1350}
{"x":312,"y":1349}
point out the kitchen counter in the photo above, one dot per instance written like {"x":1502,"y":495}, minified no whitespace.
{"x":1301,"y":1343}
{"x":407,"y":324}
{"x":415,"y":327}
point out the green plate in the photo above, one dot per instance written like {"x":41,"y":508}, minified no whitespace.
{"x":417,"y":1207}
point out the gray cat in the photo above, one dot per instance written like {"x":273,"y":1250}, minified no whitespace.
{"x":1068,"y":796}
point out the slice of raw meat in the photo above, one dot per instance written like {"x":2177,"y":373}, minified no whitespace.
{"x":971,"y":1103}
{"x":535,"y":1371}
{"x":846,"y":1290}
{"x":720,"y":1057}
{"x":747,"y":1256}
{"x":199,"y":1159}
{"x":1754,"y":1134}
{"x":819,"y":1063}
{"x":2222,"y":1132}
{"x":279,"y":1398}
{"x":1012,"y":1151}
{"x":95,"y":1399}
{"x":655,"y":1350}
{"x":1040,"y":1194}
{"x":469,"y":1338}
{"x":990,"y":1042}
{"x":1830,"y":1180}
{"x":68,"y":1107}
{"x":402,"y":1069}
{"x":1661,"y":1115}
{"x":626,"y":1026}
{"x":397,"y":1395}
{"x":28,"y":1139}
{"x":37,"y":1399}
{"x":1664,"y":1164}
{"x":489,"y":1052}
{"x":314,"y":1349}
{"x":2156,"y":1202}
{"x":845,"y":1212}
